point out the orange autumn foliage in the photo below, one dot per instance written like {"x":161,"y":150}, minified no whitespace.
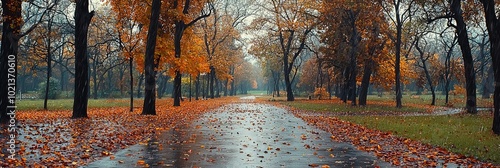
{"x":134,"y":15}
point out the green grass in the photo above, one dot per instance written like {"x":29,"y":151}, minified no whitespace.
{"x":67,"y":104}
{"x":454,"y":100}
{"x":257,"y":92}
{"x":470,"y":135}
{"x":336,"y":107}
{"x":466,"y":134}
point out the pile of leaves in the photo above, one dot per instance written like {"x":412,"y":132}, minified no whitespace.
{"x":52,"y":139}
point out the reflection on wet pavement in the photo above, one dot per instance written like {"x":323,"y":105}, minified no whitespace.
{"x":243,"y":135}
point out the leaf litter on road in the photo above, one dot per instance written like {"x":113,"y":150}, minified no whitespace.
{"x":52,"y":139}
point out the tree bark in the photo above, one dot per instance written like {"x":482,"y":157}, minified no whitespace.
{"x":82,"y":22}
{"x":217,"y":88}
{"x":355,"y":38}
{"x":130,"y":66}
{"x":463,"y":41}
{"x":399,"y":31}
{"x":179,"y":31}
{"x":365,"y":83}
{"x":212,"y":83}
{"x":150,"y":88}
{"x":139,"y":85}
{"x":94,"y":78}
{"x":225,"y":87}
{"x":11,"y":14}
{"x":488,"y":82}
{"x":197,"y":87}
{"x":49,"y":64}
{"x":493,"y":25}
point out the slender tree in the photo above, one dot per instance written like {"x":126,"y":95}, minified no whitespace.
{"x":400,"y":12}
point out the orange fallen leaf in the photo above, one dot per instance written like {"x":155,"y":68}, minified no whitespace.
{"x":141,"y":162}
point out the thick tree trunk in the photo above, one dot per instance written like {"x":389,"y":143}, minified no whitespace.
{"x":463,"y":41}
{"x":493,"y":25}
{"x":150,"y":94}
{"x":82,"y":21}
{"x":353,"y":57}
{"x":11,"y":14}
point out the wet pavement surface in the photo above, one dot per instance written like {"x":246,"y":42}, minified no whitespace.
{"x":243,"y":134}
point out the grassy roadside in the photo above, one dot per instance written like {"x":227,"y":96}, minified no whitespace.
{"x":470,"y":135}
{"x":67,"y":104}
{"x":466,"y":134}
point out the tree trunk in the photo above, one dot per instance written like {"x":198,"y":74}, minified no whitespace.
{"x":161,"y":85}
{"x":488,"y":82}
{"x":345,"y":85}
{"x":217,"y":88}
{"x":197,"y":88}
{"x":150,"y":95}
{"x":130,"y":67}
{"x":426,"y":71}
{"x":94,"y":77}
{"x":139,"y":85}
{"x":233,"y":88}
{"x":399,"y":31}
{"x":179,"y":30}
{"x":190,"y":88}
{"x":365,"y":82}
{"x":463,"y":41}
{"x":277,"y":83}
{"x":225,"y":87}
{"x":205,"y":86}
{"x":211,"y":83}
{"x":353,"y":57}
{"x":49,"y":64}
{"x":82,"y":22}
{"x":493,"y":25}
{"x":8,"y":59}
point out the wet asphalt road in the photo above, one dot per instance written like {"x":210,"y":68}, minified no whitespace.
{"x":243,"y":134}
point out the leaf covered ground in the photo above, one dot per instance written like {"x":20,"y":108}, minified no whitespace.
{"x":52,"y":139}
{"x":387,"y":146}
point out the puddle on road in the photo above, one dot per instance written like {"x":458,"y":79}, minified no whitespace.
{"x":243,"y":135}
